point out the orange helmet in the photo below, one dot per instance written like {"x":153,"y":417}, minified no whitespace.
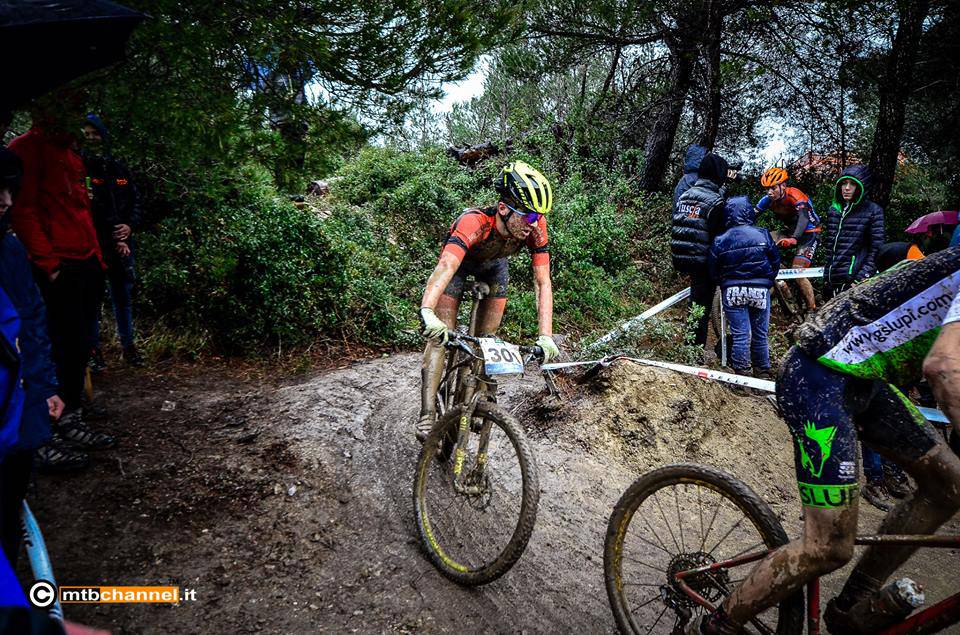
{"x":773,"y":176}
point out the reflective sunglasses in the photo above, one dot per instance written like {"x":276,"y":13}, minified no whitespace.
{"x":530,"y":217}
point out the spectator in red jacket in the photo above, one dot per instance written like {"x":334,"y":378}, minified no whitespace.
{"x":53,"y":220}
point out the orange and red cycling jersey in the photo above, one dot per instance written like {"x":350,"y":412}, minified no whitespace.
{"x":474,"y":238}
{"x":793,"y":208}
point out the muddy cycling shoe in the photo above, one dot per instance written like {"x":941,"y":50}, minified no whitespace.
{"x":838,"y":622}
{"x":75,"y":432}
{"x":716,"y":623}
{"x":875,"y":494}
{"x":55,"y":456}
{"x":424,"y":426}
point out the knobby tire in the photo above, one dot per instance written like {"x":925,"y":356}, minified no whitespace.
{"x":791,"y":614}
{"x":530,"y":492}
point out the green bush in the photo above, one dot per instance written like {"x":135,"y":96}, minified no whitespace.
{"x":250,"y":270}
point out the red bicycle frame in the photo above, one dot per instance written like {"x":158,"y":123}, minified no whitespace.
{"x":930,"y":620}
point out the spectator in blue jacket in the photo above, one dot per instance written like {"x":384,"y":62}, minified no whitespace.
{"x":691,"y":165}
{"x":744,"y":261}
{"x":37,"y":370}
{"x":854,"y":232}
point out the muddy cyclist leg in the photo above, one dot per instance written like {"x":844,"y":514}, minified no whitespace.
{"x":802,"y":260}
{"x":806,"y":288}
{"x":820,"y":419}
{"x":496,"y":274}
{"x":893,"y":426}
{"x":434,"y":354}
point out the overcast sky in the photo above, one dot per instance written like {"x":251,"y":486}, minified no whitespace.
{"x":472,"y":86}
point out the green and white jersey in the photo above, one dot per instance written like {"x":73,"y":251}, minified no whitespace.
{"x":883,"y":328}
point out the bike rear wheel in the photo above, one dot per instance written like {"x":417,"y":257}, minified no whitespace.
{"x":474,"y":538}
{"x":677,"y":518}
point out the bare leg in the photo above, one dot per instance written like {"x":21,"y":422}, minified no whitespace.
{"x":431,"y":371}
{"x":490,"y":314}
{"x":825,"y":545}
{"x":806,"y":288}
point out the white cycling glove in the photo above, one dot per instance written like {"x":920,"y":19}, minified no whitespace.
{"x":433,"y":327}
{"x":550,"y":350}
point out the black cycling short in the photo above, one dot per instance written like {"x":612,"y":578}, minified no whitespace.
{"x":495,"y":273}
{"x":827,"y":410}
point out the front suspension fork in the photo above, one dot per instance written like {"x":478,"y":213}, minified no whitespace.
{"x":468,"y":481}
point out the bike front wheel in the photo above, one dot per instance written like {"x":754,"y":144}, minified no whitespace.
{"x":678,"y":518}
{"x":475,"y":526}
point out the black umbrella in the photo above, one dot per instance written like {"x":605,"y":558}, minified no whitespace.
{"x":47,"y":43}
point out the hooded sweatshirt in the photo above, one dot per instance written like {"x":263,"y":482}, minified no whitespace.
{"x":115,"y":197}
{"x":691,"y":163}
{"x":743,"y":255}
{"x":694,"y":221}
{"x":52,"y":215}
{"x":854,"y":231}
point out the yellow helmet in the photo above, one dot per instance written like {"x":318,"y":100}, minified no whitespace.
{"x":527,"y":186}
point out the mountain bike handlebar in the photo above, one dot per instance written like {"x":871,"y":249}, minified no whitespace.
{"x":457,"y":339}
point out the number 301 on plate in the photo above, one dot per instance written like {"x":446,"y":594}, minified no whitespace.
{"x":500,"y":358}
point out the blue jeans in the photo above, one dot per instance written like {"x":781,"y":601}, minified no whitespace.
{"x":121,"y":293}
{"x":747,"y":310}
{"x":872,"y":464}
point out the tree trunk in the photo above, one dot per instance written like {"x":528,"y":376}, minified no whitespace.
{"x":660,"y":139}
{"x":895,"y":87}
{"x":711,"y":57}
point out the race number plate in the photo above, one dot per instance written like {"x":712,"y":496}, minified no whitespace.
{"x":500,"y":358}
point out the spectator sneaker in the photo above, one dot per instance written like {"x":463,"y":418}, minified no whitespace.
{"x":764,"y":373}
{"x":55,"y":456}
{"x":132,"y":356}
{"x":75,"y":431}
{"x":96,"y":363}
{"x":876,"y":494}
{"x":92,"y":411}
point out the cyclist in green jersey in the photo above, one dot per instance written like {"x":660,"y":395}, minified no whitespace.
{"x":838,"y":382}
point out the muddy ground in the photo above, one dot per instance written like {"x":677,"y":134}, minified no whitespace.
{"x":286,"y":503}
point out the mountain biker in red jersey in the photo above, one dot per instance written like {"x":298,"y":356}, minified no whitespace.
{"x":795,"y":209}
{"x":478,"y":245}
{"x":837,"y":384}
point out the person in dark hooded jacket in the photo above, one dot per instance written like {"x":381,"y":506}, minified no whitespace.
{"x":116,"y":214}
{"x":691,"y":163}
{"x":697,"y":219}
{"x":744,"y":262}
{"x":854,"y":232}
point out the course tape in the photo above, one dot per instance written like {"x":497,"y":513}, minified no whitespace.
{"x":646,"y":315}
{"x":784,"y":274}
{"x":793,"y":274}
{"x":765,"y":385}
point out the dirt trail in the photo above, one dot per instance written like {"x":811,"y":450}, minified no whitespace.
{"x":288,"y":507}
